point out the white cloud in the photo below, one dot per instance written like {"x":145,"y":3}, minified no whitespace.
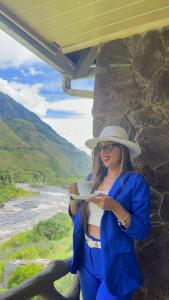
{"x":26,"y":94}
{"x":30,"y":71}
{"x":76,"y":130}
{"x":78,"y":106}
{"x":34,"y":72}
{"x":13,"y":54}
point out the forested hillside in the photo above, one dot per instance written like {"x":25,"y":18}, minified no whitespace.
{"x":32,"y":149}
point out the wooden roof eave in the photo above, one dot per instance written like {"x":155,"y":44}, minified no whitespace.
{"x":53,"y":56}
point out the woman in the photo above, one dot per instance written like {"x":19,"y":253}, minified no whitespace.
{"x":106,"y":226}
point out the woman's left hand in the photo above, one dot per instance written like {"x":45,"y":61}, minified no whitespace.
{"x":103,"y":201}
{"x":107,"y":203}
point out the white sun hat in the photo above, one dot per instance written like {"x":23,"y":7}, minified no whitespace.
{"x":115,"y":134}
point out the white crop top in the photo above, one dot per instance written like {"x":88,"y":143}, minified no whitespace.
{"x":95,"y":212}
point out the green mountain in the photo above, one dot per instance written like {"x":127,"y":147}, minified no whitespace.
{"x":28,"y":145}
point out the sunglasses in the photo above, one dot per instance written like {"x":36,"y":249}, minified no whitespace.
{"x":107,"y":148}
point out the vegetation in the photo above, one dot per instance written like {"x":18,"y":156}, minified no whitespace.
{"x":1,"y":271}
{"x":27,"y":253}
{"x":32,"y":150}
{"x":52,"y":229}
{"x":11,"y":191}
{"x":8,"y":179}
{"x":8,"y":190}
{"x":64,"y":181}
{"x":3,"y":290}
{"x":49,"y":239}
{"x":62,"y":285}
{"x":22,"y":273}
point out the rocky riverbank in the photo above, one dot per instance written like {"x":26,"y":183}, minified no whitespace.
{"x":21,"y":214}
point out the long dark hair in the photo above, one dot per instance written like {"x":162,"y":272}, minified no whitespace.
{"x":99,"y":172}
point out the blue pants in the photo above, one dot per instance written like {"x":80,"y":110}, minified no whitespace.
{"x":91,"y":280}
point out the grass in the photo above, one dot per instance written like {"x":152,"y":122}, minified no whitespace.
{"x":21,"y":247}
{"x":1,"y":271}
{"x":63,"y":181}
{"x":63,"y":285}
{"x":2,"y":290}
{"x":28,"y":246}
{"x":9,"y":192}
{"x":34,"y":244}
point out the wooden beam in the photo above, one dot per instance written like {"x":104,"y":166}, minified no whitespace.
{"x":51,"y":55}
{"x":85,"y":62}
{"x":73,"y":92}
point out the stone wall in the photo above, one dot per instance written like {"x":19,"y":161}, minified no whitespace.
{"x":132,"y":90}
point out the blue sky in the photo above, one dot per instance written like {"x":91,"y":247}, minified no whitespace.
{"x":38,"y":86}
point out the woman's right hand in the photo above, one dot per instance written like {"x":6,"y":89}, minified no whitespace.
{"x":73,"y":203}
{"x":73,"y":189}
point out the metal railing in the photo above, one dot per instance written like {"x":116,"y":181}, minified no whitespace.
{"x":42,"y":284}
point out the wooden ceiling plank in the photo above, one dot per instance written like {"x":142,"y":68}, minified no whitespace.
{"x":96,"y":24}
{"x":118,"y":25}
{"x":59,"y":61}
{"x":93,"y":9}
{"x":49,"y":35}
{"x":61,"y":26}
{"x":96,"y":31}
{"x":131,"y":27}
{"x":49,"y":17}
{"x":19,"y":23}
{"x":58,"y":8}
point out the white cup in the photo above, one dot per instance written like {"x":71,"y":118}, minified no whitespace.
{"x":84,"y":187}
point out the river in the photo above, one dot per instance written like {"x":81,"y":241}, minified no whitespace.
{"x":21,"y":214}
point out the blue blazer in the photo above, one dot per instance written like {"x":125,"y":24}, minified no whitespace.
{"x":121,"y":270}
